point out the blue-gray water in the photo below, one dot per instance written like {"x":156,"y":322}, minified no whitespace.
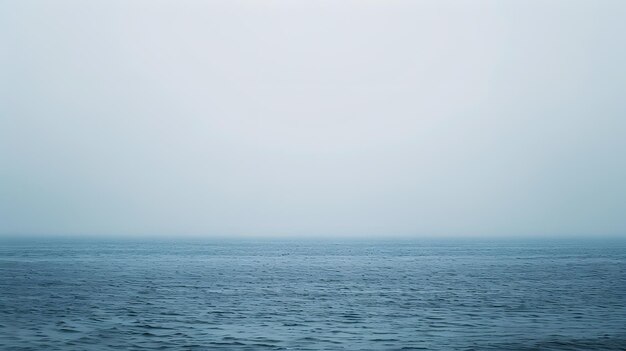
{"x":307,"y":295}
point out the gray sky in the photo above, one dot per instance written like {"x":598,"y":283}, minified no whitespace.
{"x":313,"y":118}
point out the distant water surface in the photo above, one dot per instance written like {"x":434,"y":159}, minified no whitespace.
{"x":312,"y":295}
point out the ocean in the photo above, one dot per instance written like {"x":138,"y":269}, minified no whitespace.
{"x":109,"y":294}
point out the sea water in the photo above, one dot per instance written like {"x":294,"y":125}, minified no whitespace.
{"x":312,"y":295}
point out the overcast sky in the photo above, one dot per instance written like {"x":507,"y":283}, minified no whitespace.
{"x":313,"y":118}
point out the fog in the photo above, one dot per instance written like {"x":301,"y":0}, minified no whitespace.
{"x":312,"y":118}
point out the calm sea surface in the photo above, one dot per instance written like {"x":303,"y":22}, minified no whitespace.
{"x":308,"y":295}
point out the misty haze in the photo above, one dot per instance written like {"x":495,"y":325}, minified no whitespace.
{"x":312,"y":175}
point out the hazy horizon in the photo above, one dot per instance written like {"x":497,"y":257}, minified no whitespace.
{"x":375,"y":119}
